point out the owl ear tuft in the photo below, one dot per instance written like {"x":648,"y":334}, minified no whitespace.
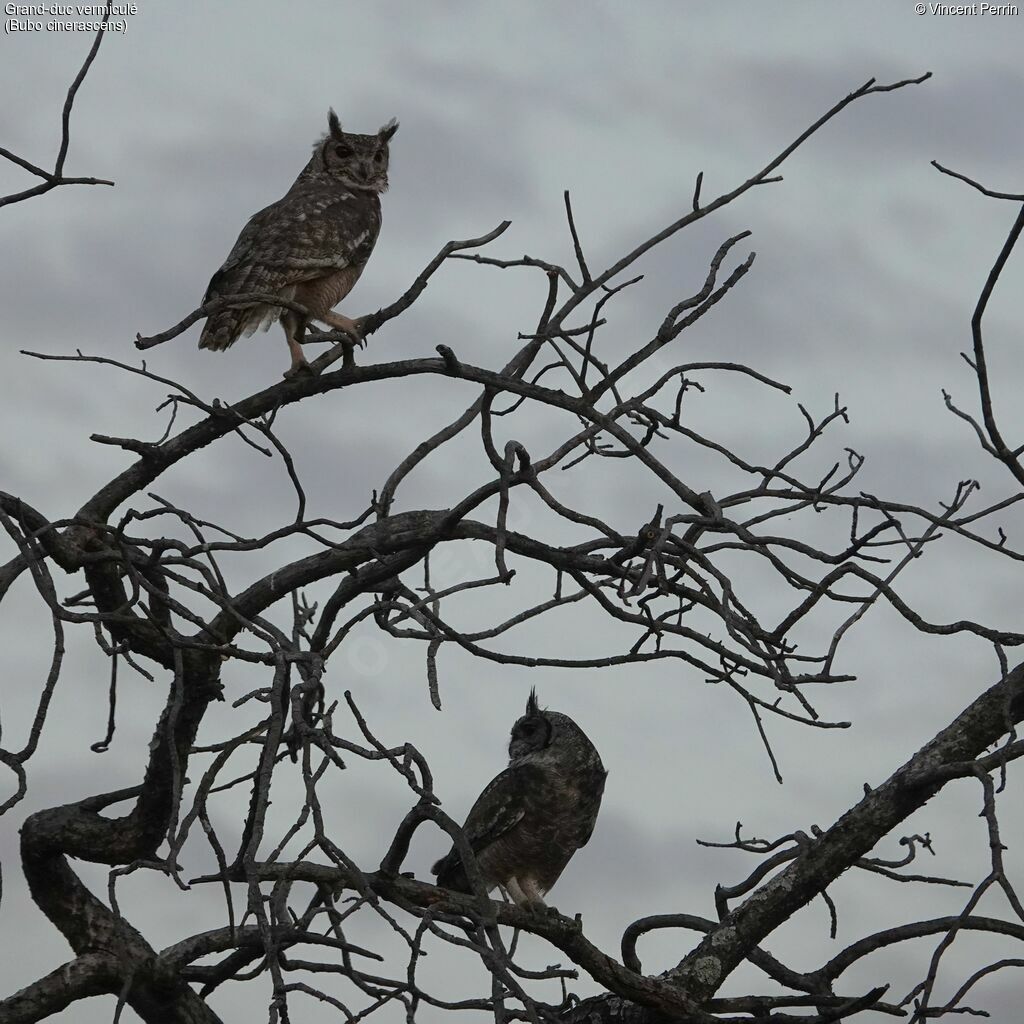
{"x":531,"y":705}
{"x":334,"y":124}
{"x":387,"y":131}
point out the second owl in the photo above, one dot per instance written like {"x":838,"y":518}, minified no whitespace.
{"x":529,"y":820}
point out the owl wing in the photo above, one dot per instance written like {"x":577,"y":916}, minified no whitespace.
{"x":498,"y":808}
{"x":590,"y":789}
{"x":302,"y":237}
{"x":231,"y":277}
{"x":299,"y":238}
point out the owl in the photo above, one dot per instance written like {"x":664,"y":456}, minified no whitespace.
{"x":310,"y":246}
{"x":529,"y":820}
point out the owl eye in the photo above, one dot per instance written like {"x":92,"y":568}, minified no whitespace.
{"x":378,"y":157}
{"x":342,"y":150}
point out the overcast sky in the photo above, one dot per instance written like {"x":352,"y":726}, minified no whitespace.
{"x":868,"y":266}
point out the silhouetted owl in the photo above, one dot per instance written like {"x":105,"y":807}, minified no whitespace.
{"x":531,"y":819}
{"x":310,"y":246}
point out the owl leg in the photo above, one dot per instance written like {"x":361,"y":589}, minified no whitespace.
{"x":294,"y":327}
{"x":515,"y":893}
{"x":524,"y":893}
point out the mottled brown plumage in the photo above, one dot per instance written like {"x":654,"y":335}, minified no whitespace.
{"x":529,"y":820}
{"x":310,"y":246}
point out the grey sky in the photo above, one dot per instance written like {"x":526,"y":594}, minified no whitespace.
{"x":868,"y":266}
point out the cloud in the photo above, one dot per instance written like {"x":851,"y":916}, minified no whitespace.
{"x":868,"y":265}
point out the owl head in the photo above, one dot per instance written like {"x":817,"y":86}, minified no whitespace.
{"x":357,"y":161}
{"x":532,"y":732}
{"x":550,"y":736}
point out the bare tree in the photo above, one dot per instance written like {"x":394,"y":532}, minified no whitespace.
{"x":144,"y":575}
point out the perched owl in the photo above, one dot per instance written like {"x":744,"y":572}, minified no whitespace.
{"x":531,"y":819}
{"x":310,"y":246}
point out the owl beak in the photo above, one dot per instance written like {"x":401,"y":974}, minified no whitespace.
{"x":516,"y":749}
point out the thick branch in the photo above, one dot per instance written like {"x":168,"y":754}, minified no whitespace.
{"x":981,"y":724}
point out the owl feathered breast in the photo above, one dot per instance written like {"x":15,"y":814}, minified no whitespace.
{"x":529,"y":820}
{"x":312,"y":244}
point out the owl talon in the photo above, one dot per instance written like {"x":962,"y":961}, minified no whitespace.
{"x":357,"y":332}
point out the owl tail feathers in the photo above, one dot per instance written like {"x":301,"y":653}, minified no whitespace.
{"x":221,"y":330}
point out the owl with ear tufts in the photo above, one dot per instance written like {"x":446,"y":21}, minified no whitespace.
{"x":529,"y":820}
{"x":309,"y":247}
